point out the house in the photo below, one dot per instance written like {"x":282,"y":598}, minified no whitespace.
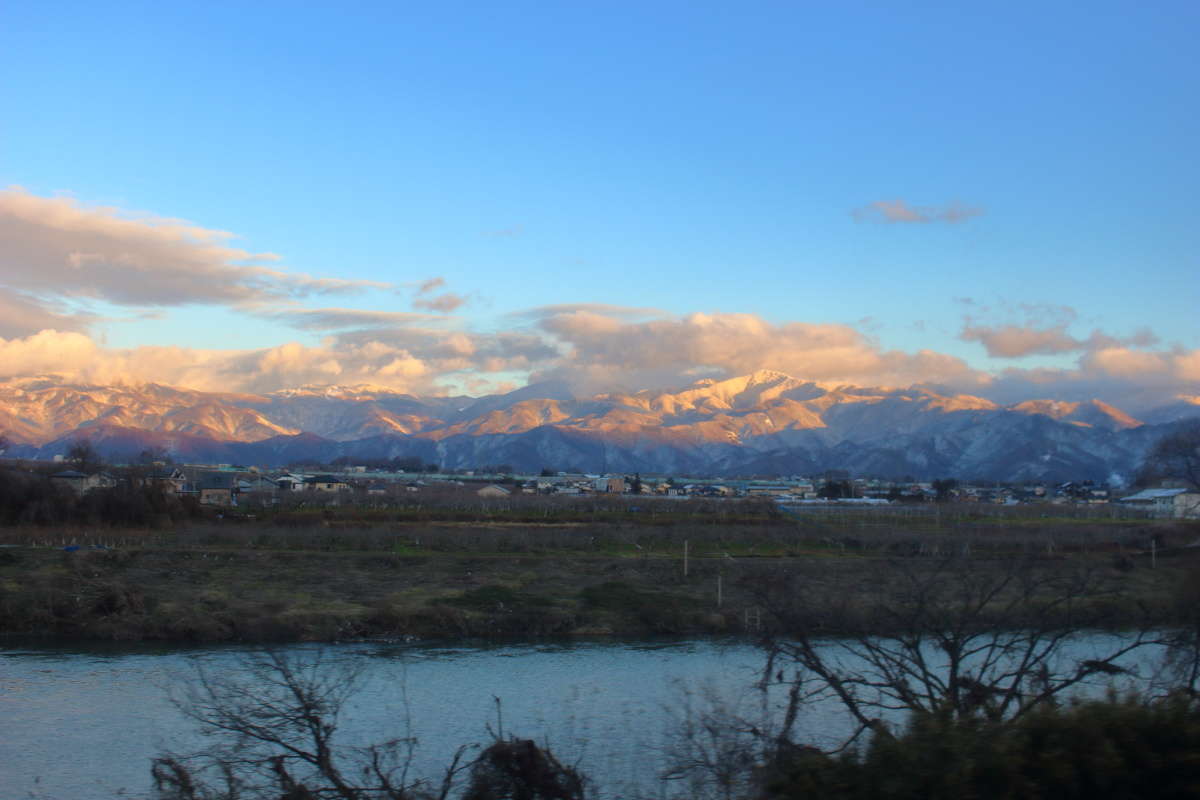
{"x":492,"y":490}
{"x":768,"y":489}
{"x":610,"y":485}
{"x":1177,"y":503}
{"x":168,"y":479}
{"x":257,"y":486}
{"x":290,"y":482}
{"x":81,"y":482}
{"x":326,"y":483}
{"x":217,"y":488}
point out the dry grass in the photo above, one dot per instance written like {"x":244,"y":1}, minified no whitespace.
{"x":346,"y":578}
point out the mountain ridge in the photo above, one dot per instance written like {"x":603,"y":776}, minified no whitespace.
{"x":766,"y":421}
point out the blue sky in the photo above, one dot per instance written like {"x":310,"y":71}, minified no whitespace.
{"x":685,"y":157}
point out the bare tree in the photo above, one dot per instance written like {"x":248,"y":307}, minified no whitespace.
{"x":84,"y":455}
{"x":958,"y":639}
{"x":718,"y":744}
{"x":273,"y":726}
{"x":1175,"y":456}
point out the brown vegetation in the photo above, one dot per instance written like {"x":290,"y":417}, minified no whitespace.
{"x":342,"y":578}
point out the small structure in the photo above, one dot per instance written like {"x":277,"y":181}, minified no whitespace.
{"x":492,"y":490}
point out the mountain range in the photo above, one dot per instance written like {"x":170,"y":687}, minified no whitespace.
{"x":763,"y":423}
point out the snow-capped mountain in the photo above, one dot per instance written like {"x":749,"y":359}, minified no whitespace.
{"x":766,"y":422}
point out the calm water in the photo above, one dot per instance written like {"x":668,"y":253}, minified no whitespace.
{"x":84,"y":723}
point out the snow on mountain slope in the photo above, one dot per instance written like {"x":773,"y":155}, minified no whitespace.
{"x":746,"y":391}
{"x":40,"y":411}
{"x":764,"y":421}
{"x":1093,"y":413}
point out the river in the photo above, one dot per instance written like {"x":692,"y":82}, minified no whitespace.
{"x":84,"y":722}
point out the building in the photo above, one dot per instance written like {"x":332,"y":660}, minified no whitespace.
{"x":1176,"y":503}
{"x":326,"y":483}
{"x":80,"y":482}
{"x":492,"y":490}
{"x":290,"y":482}
{"x":167,"y":479}
{"x":217,"y":488}
{"x":610,"y":485}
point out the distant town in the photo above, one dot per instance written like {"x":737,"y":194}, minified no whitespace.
{"x":248,"y":487}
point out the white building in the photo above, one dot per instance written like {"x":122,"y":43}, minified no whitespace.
{"x":1177,"y":503}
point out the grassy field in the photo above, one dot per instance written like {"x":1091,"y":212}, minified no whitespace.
{"x":352,"y":572}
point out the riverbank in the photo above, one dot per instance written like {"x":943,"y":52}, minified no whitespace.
{"x":253,"y":582}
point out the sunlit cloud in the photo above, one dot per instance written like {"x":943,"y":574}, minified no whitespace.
{"x":57,"y":249}
{"x":1043,"y":331}
{"x":594,"y":353}
{"x":621,"y":312}
{"x":21,"y":314}
{"x":329,"y":319}
{"x":891,"y":211}
{"x":445,"y":302}
{"x":1015,"y":341}
{"x":428,"y":285}
{"x":605,"y":350}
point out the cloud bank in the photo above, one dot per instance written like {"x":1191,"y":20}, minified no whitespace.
{"x":595,"y":353}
